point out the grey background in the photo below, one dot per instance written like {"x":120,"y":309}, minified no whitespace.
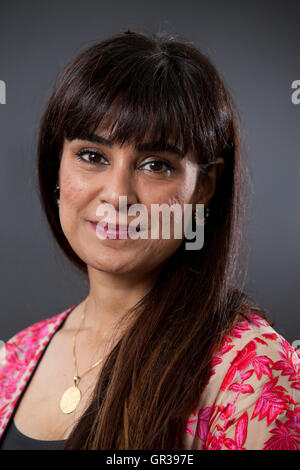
{"x":255,"y":46}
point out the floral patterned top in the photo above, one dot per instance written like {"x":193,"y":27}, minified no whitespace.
{"x":251,"y":401}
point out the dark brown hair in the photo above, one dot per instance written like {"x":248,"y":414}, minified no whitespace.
{"x":164,"y":86}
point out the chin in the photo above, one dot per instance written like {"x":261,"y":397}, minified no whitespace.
{"x":110,"y":263}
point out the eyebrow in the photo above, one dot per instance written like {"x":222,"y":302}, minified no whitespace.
{"x":144,"y":147}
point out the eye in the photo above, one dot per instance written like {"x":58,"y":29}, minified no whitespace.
{"x":157,"y":164}
{"x":91,"y":157}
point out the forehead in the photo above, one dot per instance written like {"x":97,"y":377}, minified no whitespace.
{"x":148,"y":143}
{"x":109,"y":133}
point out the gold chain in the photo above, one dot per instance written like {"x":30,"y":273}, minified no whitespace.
{"x":76,"y":377}
{"x":72,"y":395}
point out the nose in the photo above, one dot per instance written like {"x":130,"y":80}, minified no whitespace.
{"x":119,"y":181}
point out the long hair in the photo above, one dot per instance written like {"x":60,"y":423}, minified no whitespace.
{"x":156,"y":85}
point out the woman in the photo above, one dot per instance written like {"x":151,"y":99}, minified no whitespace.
{"x":166,"y":351}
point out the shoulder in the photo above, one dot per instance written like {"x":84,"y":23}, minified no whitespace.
{"x":256,"y":344}
{"x":252,"y":399}
{"x":18,"y":359}
{"x":26,"y":343}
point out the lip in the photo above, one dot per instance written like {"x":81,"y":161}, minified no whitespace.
{"x":115,"y":229}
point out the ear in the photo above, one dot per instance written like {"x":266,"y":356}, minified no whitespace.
{"x":209,"y":181}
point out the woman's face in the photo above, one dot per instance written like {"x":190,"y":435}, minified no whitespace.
{"x":97,"y":173}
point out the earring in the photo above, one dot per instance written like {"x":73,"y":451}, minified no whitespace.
{"x":56,"y":191}
{"x":197,"y":218}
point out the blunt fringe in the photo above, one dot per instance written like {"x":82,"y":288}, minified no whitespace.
{"x":162,"y":87}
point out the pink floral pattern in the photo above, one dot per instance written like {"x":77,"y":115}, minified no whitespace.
{"x":22,"y":353}
{"x":252,"y":399}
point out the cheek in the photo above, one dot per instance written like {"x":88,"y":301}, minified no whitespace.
{"x":182,"y":196}
{"x":72,"y":191}
{"x":178,"y":198}
{"x":183,"y":193}
{"x":178,"y":193}
{"x":172,"y":223}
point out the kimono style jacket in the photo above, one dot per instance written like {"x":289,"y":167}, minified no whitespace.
{"x":251,"y":401}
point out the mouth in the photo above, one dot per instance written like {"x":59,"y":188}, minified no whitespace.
{"x":114,"y":230}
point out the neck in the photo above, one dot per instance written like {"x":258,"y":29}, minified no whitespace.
{"x":111,"y":295}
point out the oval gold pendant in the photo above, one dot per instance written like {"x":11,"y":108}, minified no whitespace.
{"x":70,"y":399}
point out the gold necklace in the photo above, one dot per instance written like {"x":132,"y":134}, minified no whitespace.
{"x":72,"y":395}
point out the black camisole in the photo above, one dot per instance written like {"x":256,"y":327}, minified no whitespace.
{"x":15,"y":440}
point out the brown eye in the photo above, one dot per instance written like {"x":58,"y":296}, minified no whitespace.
{"x":89,"y":156}
{"x":159,"y":166}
